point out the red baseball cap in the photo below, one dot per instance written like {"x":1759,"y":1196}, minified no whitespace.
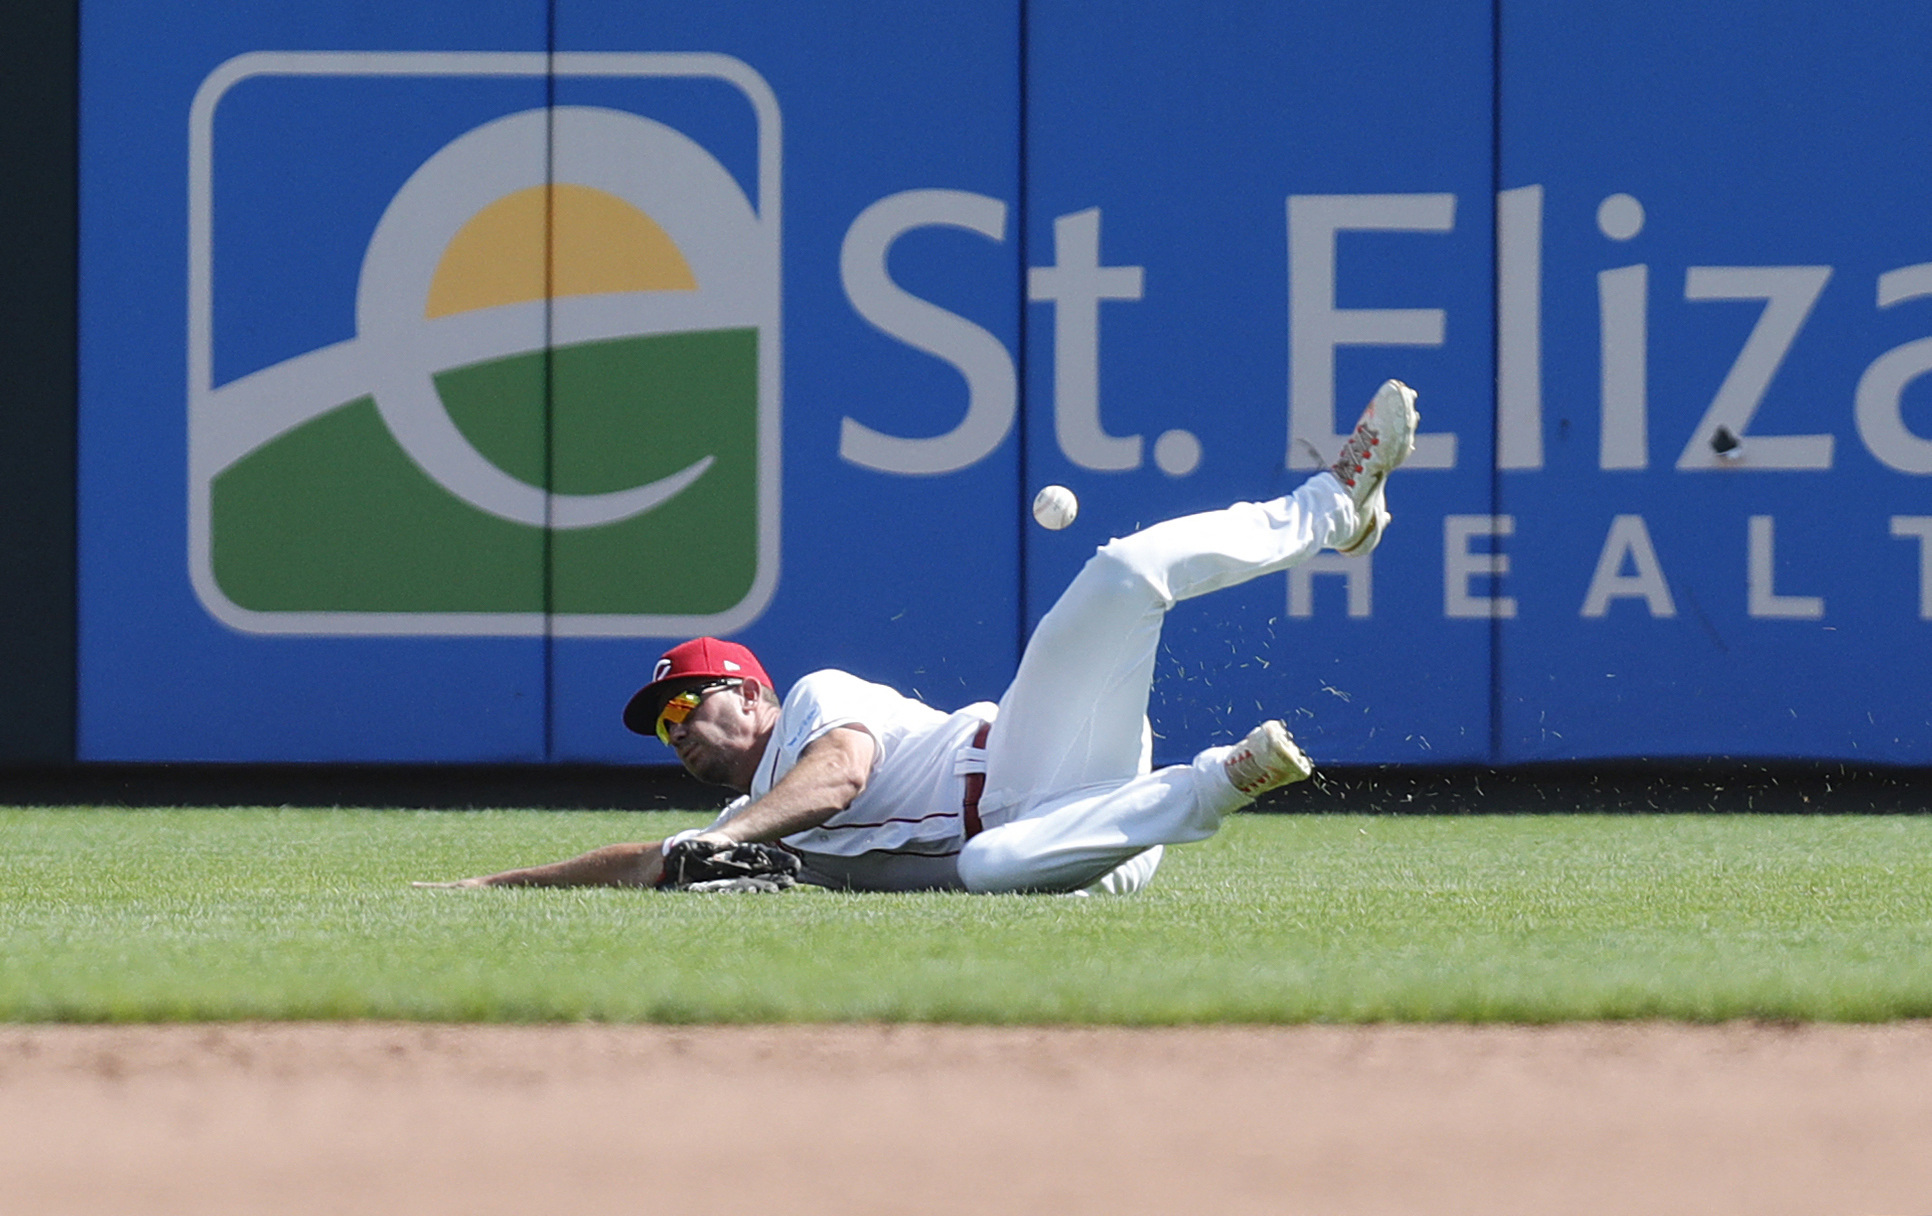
{"x":683,"y":664}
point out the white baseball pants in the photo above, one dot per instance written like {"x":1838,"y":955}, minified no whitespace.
{"x":1069,"y":802}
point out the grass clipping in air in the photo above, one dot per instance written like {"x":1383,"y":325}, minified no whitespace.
{"x":109,"y":915}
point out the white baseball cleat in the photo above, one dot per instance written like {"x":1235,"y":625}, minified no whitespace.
{"x":1267,"y":759}
{"x":1383,"y":439}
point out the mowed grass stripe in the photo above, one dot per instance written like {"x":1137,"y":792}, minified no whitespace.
{"x":112,"y":915}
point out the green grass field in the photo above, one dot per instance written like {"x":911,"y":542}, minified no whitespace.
{"x":112,"y":915}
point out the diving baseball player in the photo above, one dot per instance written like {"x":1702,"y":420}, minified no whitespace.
{"x":1049,"y":790}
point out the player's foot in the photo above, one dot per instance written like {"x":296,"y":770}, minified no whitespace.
{"x":1383,"y":439}
{"x":1267,"y":759}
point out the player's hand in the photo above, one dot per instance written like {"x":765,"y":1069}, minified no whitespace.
{"x":700,"y":865}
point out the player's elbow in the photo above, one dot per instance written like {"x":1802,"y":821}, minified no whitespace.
{"x":845,"y":766}
{"x":845,"y":786}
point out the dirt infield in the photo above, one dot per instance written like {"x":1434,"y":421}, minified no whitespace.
{"x":426,"y":1120}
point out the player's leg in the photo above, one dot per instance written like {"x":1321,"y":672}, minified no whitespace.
{"x":1137,"y":871}
{"x":1106,"y":837}
{"x":1129,"y":877}
{"x":1072,"y":714}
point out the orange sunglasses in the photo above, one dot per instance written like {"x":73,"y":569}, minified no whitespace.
{"x":678,"y":708}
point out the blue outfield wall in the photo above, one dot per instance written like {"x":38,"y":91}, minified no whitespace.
{"x":817,"y":296}
{"x":1733,"y":218}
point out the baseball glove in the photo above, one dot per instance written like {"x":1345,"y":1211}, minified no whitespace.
{"x":706,"y":865}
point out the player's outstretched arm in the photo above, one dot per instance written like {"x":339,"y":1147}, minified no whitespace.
{"x":614,"y":865}
{"x":831,"y":772}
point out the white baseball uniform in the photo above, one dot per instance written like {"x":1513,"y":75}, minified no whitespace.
{"x":1068,"y":802}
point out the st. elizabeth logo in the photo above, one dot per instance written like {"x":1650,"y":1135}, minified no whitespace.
{"x":560,"y":406}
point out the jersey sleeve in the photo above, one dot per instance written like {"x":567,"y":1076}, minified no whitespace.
{"x":826,"y":700}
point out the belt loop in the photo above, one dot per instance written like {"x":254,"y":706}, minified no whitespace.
{"x":975,"y":786}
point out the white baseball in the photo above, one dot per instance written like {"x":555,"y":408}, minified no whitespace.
{"x":1055,"y":507}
